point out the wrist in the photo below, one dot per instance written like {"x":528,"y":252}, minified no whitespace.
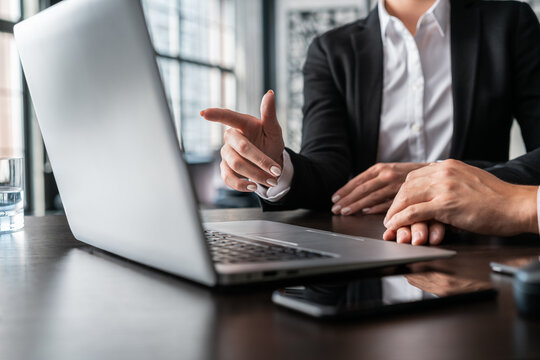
{"x":526,"y":202}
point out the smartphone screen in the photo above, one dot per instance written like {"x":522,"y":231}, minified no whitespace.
{"x":511,"y":266}
{"x":377,"y":295}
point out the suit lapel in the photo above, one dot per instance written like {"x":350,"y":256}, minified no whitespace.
{"x":367,"y":45}
{"x":465,"y":32}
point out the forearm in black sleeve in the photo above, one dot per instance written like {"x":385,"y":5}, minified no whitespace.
{"x":526,"y":88}
{"x":324,"y":162}
{"x":526,"y":101}
{"x":524,"y":170}
{"x":525,"y":97}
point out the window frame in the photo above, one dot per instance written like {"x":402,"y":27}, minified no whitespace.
{"x":190,"y":157}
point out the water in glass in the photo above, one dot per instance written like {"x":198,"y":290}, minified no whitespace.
{"x":11,"y":195}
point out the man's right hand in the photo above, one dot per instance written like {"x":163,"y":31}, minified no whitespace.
{"x":253,"y":149}
{"x":465,"y":197}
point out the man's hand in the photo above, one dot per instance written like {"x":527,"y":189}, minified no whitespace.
{"x":465,"y":197}
{"x":373,"y":190}
{"x":253,"y":147}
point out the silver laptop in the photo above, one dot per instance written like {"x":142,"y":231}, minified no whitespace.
{"x":125,"y":186}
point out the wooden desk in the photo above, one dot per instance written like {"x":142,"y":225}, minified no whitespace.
{"x":61,"y":299}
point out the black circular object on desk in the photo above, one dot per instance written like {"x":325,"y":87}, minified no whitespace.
{"x":527,"y":290}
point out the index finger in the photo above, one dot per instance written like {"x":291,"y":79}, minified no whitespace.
{"x":230,"y":118}
{"x":250,"y":152}
{"x":413,"y":214}
{"x":353,"y":184}
{"x":411,"y":192}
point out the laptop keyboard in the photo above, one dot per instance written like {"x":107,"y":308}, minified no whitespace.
{"x":230,"y":249}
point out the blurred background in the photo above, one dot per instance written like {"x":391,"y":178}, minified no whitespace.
{"x":211,"y":53}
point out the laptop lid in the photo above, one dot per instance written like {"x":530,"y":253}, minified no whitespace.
{"x":105,"y":121}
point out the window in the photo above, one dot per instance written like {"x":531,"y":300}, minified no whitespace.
{"x":10,"y":10}
{"x":195,"y":45}
{"x":11,"y":93}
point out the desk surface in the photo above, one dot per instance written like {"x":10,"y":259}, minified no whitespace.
{"x":62,"y":299}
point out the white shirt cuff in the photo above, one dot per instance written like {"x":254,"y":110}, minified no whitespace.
{"x":276,"y":193}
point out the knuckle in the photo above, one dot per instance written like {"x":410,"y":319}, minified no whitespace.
{"x":387,"y":175}
{"x":232,"y":181}
{"x":403,"y":189}
{"x":265,"y":164}
{"x":346,"y":189}
{"x":378,"y":167}
{"x":448,"y":167}
{"x":226,"y":178}
{"x":451,"y":162}
{"x":235,"y":163}
{"x":353,"y":184}
{"x":447,"y":171}
{"x":410,"y":213}
{"x":243,"y":146}
{"x":262,"y":162}
{"x":225,"y":173}
{"x":448,"y":187}
{"x":227,"y":134}
{"x":404,"y":198}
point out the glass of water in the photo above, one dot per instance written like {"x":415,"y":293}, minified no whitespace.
{"x":11,"y":194}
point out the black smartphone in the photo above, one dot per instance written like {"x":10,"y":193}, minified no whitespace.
{"x":384,"y":294}
{"x":511,"y":266}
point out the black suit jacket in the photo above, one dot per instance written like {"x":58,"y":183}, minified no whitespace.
{"x":495,"y":56}
{"x":524,"y":170}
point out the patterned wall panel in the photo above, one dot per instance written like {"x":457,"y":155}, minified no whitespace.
{"x":299,"y":21}
{"x":302,"y":27}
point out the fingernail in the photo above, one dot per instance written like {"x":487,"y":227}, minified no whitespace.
{"x":385,"y":221}
{"x":336,"y":198}
{"x":275,"y":170}
{"x":389,"y":225}
{"x":400,"y":236}
{"x":202,"y":112}
{"x":271,"y":182}
{"x":346,"y":211}
{"x":252,"y":187}
{"x":416,"y":237}
{"x":271,"y":91}
{"x":366,"y":210}
{"x":336,"y":209}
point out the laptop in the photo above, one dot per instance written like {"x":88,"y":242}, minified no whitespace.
{"x":101,"y":106}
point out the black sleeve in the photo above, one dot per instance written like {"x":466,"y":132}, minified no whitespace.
{"x":324,"y":162}
{"x":526,"y":70}
{"x":525,"y":101}
{"x":524,"y":170}
{"x":481,"y":164}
